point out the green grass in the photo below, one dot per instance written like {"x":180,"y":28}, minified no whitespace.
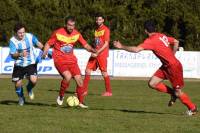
{"x":133,"y":108}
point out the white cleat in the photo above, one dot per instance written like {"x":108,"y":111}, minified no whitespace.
{"x":60,"y":100}
{"x":83,"y":106}
{"x":31,"y":95}
{"x":21,"y":101}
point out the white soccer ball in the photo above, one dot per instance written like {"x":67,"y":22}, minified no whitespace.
{"x":72,"y":101}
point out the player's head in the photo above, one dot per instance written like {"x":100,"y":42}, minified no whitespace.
{"x":149,"y":26}
{"x":70,"y":23}
{"x":19,"y":30}
{"x":99,"y":19}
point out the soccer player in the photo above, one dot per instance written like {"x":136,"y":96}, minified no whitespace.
{"x":63,"y":40}
{"x":99,"y":59}
{"x":22,"y":49}
{"x":164,"y":48}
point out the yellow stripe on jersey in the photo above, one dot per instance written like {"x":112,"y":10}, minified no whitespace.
{"x":67,"y":40}
{"x":99,"y":33}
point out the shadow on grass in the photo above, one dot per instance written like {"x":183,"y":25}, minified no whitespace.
{"x":137,"y":111}
{"x":12,"y":102}
{"x":72,"y":92}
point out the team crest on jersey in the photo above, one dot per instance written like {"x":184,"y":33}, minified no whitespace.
{"x":66,"y":48}
{"x":99,"y":33}
{"x":65,"y":39}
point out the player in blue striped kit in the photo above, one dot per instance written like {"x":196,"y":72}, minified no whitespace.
{"x":22,"y":49}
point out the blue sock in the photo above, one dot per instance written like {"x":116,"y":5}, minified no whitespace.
{"x":19,"y":91}
{"x":29,"y":86}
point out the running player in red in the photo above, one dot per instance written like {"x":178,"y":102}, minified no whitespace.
{"x":99,"y":59}
{"x":63,"y":40}
{"x":171,"y":68}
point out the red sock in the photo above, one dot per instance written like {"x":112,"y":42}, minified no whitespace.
{"x":63,"y":86}
{"x":80,"y":93}
{"x":86,"y":82}
{"x":107,"y":84}
{"x":163,"y":88}
{"x":184,"y":98}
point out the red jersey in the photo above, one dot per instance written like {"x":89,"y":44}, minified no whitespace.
{"x":160,"y":45}
{"x":63,"y":44}
{"x":102,"y":34}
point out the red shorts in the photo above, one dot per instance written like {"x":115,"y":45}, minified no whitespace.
{"x":100,"y":62}
{"x":72,"y":68}
{"x":173,"y":73}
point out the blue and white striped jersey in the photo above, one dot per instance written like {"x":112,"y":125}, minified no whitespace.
{"x":28,"y":43}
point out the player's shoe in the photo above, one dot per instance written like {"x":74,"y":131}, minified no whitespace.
{"x":21,"y":101}
{"x":192,"y":112}
{"x":172,"y":100}
{"x":107,"y":94}
{"x":31,"y":95}
{"x":60,"y":100}
{"x":81,"y":105}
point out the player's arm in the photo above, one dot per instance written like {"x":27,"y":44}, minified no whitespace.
{"x":134,"y":49}
{"x":89,"y":48}
{"x":36,"y":42}
{"x":40,"y":45}
{"x":175,"y":46}
{"x":45,"y":50}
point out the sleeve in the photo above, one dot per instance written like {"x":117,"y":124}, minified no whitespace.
{"x":34,"y":40}
{"x":171,"y":40}
{"x":12,"y":47}
{"x":52,"y":40}
{"x":107,"y":35}
{"x":82,"y":40}
{"x":147,"y":45}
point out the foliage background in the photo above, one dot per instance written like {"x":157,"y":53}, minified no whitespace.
{"x":125,"y":18}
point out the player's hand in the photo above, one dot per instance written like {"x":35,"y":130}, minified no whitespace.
{"x":117,"y":44}
{"x":23,"y":53}
{"x":44,"y":56}
{"x":94,"y":55}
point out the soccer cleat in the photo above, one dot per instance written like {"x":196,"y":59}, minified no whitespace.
{"x":172,"y":100}
{"x":31,"y":95}
{"x":83,"y":106}
{"x":21,"y":101}
{"x":192,"y":112}
{"x":107,"y":94}
{"x":60,"y":100}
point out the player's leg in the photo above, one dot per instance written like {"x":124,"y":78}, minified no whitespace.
{"x":91,"y":65}
{"x":102,"y":63}
{"x":156,"y":82}
{"x":176,"y":79}
{"x":17,"y":77}
{"x":31,"y":71}
{"x":63,"y":86}
{"x":80,"y":90}
{"x":64,"y":71}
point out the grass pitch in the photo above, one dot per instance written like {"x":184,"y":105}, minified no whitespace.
{"x":133,"y":108}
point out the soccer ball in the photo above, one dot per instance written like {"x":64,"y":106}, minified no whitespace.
{"x":72,"y":101}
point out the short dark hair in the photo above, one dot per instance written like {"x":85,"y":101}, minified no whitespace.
{"x":18,"y":26}
{"x":150,"y":26}
{"x":99,"y":15}
{"x":70,"y":18}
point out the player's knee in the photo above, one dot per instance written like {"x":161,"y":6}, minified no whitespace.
{"x":178,"y":92}
{"x":33,"y":81}
{"x":104,"y":74}
{"x":87,"y":71}
{"x":80,"y":83}
{"x":151,"y":85}
{"x":18,"y":84}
